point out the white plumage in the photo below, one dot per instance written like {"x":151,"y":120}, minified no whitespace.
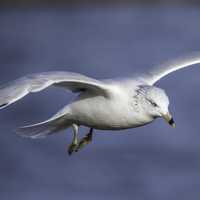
{"x":102,"y":104}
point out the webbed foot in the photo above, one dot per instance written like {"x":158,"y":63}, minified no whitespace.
{"x":72,"y":148}
{"x":85,"y":141}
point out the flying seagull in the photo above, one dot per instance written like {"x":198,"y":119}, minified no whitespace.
{"x":111,"y":104}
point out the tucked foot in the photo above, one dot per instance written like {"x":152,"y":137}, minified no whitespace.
{"x":86,"y":140}
{"x":72,"y":148}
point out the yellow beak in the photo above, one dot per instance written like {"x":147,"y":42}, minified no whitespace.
{"x":169,"y":119}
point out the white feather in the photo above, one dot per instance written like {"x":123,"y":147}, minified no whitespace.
{"x":166,"y":68}
{"x":19,"y":88}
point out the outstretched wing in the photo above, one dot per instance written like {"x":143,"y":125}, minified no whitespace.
{"x":159,"y":72}
{"x":13,"y":91}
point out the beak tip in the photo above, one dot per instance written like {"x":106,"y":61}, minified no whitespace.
{"x":174,"y":125}
{"x":169,"y":120}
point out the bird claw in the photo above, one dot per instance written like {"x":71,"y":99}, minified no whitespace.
{"x":86,"y":140}
{"x":72,"y":148}
{"x":82,"y":144}
{"x":75,"y":146}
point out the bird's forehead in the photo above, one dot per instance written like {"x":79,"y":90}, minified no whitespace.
{"x":157,"y":94}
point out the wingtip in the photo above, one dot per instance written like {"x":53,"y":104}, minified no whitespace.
{"x":3,"y":105}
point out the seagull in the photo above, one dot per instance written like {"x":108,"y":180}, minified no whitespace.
{"x":110,"y":104}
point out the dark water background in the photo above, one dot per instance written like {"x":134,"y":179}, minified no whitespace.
{"x":154,"y":162}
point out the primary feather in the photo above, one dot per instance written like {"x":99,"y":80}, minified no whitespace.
{"x":75,"y":82}
{"x":160,"y":71}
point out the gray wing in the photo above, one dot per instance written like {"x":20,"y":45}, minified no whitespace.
{"x":15,"y":90}
{"x":159,"y":72}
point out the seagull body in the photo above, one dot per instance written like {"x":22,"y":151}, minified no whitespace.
{"x":114,"y":113}
{"x":112,"y":104}
{"x":121,"y":110}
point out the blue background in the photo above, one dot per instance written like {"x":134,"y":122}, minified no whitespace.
{"x":153,"y":162}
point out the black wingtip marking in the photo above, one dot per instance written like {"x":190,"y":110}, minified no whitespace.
{"x":171,"y":121}
{"x":3,"y":105}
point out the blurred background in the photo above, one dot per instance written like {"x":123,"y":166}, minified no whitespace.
{"x":101,"y":39}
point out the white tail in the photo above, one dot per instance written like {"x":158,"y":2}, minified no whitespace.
{"x":43,"y":129}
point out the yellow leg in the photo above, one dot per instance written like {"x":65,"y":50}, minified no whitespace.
{"x":73,"y":146}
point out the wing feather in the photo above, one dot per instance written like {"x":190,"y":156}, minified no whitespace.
{"x":15,"y":90}
{"x":163,"y":70}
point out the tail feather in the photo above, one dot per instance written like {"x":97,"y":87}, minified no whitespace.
{"x":43,"y":129}
{"x":35,"y":131}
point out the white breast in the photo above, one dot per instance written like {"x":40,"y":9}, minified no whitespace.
{"x":107,"y":113}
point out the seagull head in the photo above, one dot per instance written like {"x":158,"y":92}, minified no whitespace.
{"x":157,"y":104}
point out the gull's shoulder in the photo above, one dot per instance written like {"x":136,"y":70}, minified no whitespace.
{"x":124,"y":85}
{"x":125,"y":82}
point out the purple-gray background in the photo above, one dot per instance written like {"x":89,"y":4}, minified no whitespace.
{"x":154,"y":162}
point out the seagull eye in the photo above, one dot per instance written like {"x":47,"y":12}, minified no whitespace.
{"x":154,"y":104}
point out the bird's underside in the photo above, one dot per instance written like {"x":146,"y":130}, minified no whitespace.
{"x":107,"y":104}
